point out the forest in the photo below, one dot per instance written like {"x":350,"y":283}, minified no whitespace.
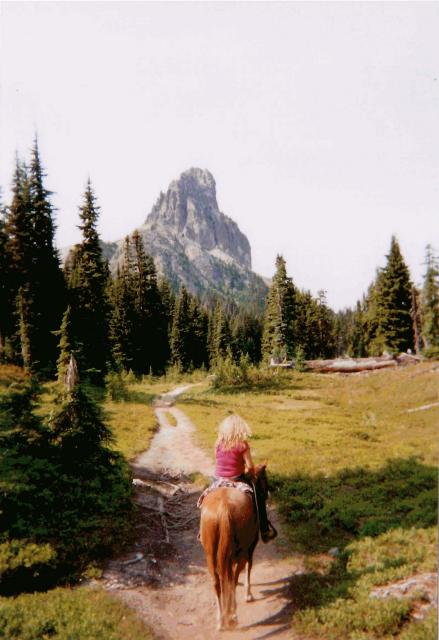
{"x":133,"y":320}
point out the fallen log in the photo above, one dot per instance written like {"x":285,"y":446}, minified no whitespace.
{"x":357,"y":365}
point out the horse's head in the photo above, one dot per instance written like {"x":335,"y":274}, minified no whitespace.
{"x":261,"y":478}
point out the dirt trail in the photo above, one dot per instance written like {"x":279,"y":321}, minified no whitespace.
{"x":165,"y":577}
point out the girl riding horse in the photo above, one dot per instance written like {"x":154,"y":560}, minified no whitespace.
{"x":233,"y":459}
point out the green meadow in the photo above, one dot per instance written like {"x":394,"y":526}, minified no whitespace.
{"x":351,"y":468}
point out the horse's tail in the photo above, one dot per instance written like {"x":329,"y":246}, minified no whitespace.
{"x":224,"y":559}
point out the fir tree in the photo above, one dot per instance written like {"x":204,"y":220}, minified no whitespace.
{"x":66,"y":345}
{"x":46,"y":278}
{"x":87,"y":281}
{"x":278,"y":336}
{"x":5,"y":302}
{"x":430,"y":302}
{"x":392,"y":304}
{"x":181,"y":355}
{"x":18,"y":250}
{"x":221,"y":334}
{"x":150,"y":323}
{"x":25,"y":329}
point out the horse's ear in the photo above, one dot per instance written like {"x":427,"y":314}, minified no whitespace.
{"x":265,"y":463}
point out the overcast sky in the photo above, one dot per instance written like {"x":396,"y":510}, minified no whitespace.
{"x":319,"y":121}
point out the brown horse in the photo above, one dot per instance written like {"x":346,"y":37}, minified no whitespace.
{"x":229,"y":533}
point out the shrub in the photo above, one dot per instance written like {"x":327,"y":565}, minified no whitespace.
{"x":116,"y":386}
{"x":61,"y":485}
{"x":66,"y":614}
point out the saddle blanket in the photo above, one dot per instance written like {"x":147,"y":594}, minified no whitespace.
{"x":224,"y":482}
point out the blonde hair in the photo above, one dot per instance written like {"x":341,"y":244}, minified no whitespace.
{"x":231,"y":431}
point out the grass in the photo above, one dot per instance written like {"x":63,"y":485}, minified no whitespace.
{"x":66,"y":614}
{"x":352,"y":469}
{"x":326,"y":423}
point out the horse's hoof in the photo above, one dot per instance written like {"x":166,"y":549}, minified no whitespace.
{"x":233,"y":622}
{"x":249,"y":598}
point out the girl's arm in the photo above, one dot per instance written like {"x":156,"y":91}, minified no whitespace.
{"x":248,"y":461}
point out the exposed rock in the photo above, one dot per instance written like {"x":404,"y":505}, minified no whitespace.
{"x":194,"y":243}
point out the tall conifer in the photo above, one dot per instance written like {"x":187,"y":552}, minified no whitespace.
{"x":392,"y":303}
{"x":430,"y":302}
{"x":278,"y":336}
{"x":87,"y":280}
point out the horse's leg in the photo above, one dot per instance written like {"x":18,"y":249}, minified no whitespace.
{"x":247,"y":586}
{"x":217,"y":587}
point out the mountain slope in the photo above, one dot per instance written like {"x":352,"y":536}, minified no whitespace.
{"x":195,"y":244}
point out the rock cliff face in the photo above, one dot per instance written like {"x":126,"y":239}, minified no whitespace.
{"x":193,"y":243}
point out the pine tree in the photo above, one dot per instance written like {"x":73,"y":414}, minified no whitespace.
{"x":5,"y":303}
{"x":278,"y":337}
{"x":430,"y":302}
{"x":247,"y":335}
{"x":88,"y":294}
{"x":66,"y":345}
{"x":46,"y":278}
{"x":25,"y":329}
{"x":18,"y":250}
{"x":150,"y":324}
{"x":180,"y":332}
{"x":391,"y":305}
{"x":198,"y":323}
{"x":221,"y":334}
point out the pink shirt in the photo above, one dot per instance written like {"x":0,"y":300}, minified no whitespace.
{"x":230,"y":463}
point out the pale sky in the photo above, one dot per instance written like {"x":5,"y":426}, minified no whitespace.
{"x":319,"y":121}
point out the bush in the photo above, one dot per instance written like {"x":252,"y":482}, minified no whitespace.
{"x":231,"y":375}
{"x":60,"y":485}
{"x":116,"y":386}
{"x":65,"y":614}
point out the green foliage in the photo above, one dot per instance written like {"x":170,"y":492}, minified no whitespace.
{"x":338,"y":604}
{"x":19,"y":553}
{"x":230,"y":375}
{"x":60,"y":484}
{"x":116,"y":386}
{"x":430,"y":304}
{"x":358,"y":502}
{"x":299,"y":359}
{"x":67,"y":614}
{"x":278,"y":336}
{"x":87,"y":278}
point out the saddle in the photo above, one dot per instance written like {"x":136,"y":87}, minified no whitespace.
{"x":219,"y":483}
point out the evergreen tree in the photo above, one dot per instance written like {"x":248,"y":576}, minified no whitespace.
{"x":221,"y":334}
{"x":88,"y":295}
{"x":150,"y":323}
{"x":198,"y":319}
{"x":181,"y":355}
{"x":46,"y":278}
{"x":66,"y":345}
{"x":358,"y":347}
{"x":5,"y":303}
{"x":25,"y":329}
{"x":18,"y":250}
{"x":278,"y":337}
{"x":430,"y":302}
{"x":247,"y":335}
{"x":391,"y":304}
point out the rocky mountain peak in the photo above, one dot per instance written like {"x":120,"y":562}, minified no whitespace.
{"x":189,"y":211}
